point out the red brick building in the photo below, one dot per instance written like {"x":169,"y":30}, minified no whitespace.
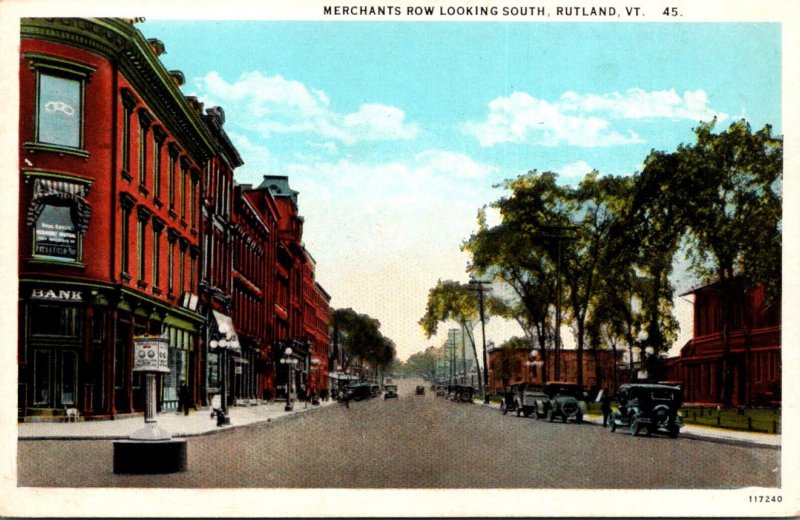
{"x":131,"y":223}
{"x":111,"y":155}
{"x":600,"y":368}
{"x":754,"y":344}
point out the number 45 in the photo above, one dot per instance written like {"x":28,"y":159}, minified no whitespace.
{"x":670,"y":11}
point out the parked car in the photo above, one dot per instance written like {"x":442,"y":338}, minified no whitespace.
{"x":563,"y":400}
{"x":420,"y":390}
{"x":390,"y":392}
{"x":357,"y":392}
{"x":375,"y":390}
{"x":529,"y":399}
{"x":652,"y":407}
{"x":441,"y":391}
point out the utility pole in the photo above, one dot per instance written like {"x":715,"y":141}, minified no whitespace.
{"x":479,"y":286}
{"x":558,"y":236}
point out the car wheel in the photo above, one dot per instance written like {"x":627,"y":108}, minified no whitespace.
{"x":673,"y":431}
{"x":635,"y":427}
{"x":535,"y":412}
{"x":550,"y":415}
{"x":578,"y":419}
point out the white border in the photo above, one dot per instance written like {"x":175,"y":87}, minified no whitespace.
{"x":277,"y":502}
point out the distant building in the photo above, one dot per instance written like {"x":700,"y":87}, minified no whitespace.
{"x":600,"y":368}
{"x":754,"y":342}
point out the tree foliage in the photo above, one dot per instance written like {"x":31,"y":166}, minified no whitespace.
{"x":359,"y":336}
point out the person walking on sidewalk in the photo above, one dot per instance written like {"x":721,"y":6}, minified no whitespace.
{"x":605,"y":406}
{"x":184,"y":398}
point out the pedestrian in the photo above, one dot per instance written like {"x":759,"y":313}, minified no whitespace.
{"x":605,"y":406}
{"x":184,"y":398}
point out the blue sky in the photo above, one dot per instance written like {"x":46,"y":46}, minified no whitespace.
{"x":395,"y":132}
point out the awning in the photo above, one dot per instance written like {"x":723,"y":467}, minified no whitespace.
{"x":225,"y":330}
{"x":45,"y":190}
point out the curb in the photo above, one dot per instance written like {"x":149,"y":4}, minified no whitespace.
{"x":217,"y":430}
{"x":747,"y":443}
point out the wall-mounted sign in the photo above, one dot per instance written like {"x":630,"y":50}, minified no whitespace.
{"x":150,"y":354}
{"x":59,"y":295}
{"x":56,"y":234}
{"x":189,"y":301}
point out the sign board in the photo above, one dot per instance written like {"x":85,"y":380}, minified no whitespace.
{"x":150,"y":354}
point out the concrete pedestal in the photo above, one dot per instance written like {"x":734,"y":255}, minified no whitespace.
{"x":141,"y":457}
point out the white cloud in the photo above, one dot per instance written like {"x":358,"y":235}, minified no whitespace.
{"x":584,"y":119}
{"x":521,"y":118}
{"x":275,"y":105}
{"x":575,"y":171}
{"x":636,"y":103}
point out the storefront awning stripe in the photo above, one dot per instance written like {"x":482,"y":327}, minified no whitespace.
{"x":64,"y":191}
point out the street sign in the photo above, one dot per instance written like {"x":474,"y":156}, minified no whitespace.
{"x":150,"y":354}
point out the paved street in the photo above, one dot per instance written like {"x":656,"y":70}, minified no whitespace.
{"x":415,"y":442}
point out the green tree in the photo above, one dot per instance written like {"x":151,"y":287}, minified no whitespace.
{"x":452,"y":301}
{"x":515,"y":253}
{"x":359,"y":337}
{"x":735,"y":217}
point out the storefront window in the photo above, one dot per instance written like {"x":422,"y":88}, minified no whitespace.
{"x":54,"y":321}
{"x":178,"y":364}
{"x":55,"y":235}
{"x":41,"y":377}
{"x":69,"y":371}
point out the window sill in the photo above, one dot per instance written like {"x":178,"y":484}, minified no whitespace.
{"x":156,"y":290}
{"x":61,"y":263}
{"x":172,"y":214}
{"x":157,"y":202}
{"x":141,"y":285}
{"x":54,"y":148}
{"x":143,"y":190}
{"x":125,"y":276}
{"x":125,"y":175}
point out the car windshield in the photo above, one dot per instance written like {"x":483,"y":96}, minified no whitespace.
{"x":569,"y":390}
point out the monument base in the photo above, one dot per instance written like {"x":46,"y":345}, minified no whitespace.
{"x":137,"y":457}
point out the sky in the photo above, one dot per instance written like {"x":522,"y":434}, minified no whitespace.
{"x":396,"y":133}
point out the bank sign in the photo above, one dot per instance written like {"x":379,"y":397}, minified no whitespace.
{"x":150,"y":354}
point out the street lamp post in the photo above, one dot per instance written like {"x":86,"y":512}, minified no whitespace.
{"x":223,"y":344}
{"x":479,"y":286}
{"x":290,"y":361}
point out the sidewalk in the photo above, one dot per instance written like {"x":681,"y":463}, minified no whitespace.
{"x":709,"y":434}
{"x":178,"y":425}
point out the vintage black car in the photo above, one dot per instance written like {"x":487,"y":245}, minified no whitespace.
{"x":563,"y":400}
{"x":525,"y":399}
{"x":390,"y":392}
{"x":652,"y":407}
{"x":357,"y":392}
{"x":441,"y":391}
{"x":461,"y":393}
{"x":420,"y":390}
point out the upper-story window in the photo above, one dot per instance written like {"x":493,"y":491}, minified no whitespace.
{"x":59,"y":111}
{"x":59,"y":102}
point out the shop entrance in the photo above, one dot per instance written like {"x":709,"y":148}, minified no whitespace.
{"x":55,"y":378}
